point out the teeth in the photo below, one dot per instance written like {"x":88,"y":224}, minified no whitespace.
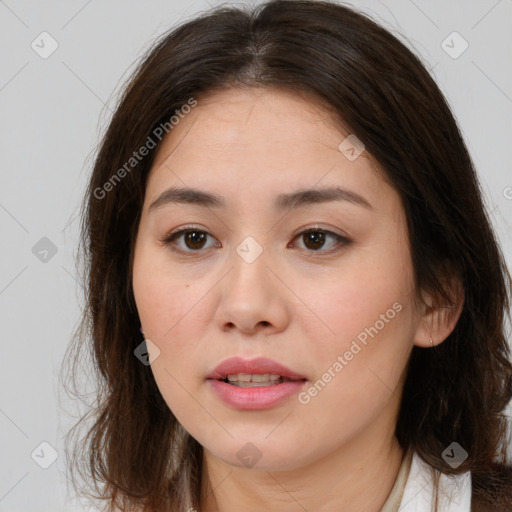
{"x":253,"y":378}
{"x":255,"y":384}
{"x":245,"y":380}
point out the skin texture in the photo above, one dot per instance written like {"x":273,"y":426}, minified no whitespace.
{"x":300,"y":303}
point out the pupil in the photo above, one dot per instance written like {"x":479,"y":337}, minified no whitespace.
{"x":316,"y":237}
{"x":192,"y":235}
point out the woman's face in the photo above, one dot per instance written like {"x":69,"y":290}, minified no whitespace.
{"x":263,"y":274}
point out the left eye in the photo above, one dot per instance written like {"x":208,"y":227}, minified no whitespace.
{"x":317,"y":237}
{"x":194,"y":239}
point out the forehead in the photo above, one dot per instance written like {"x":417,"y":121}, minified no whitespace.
{"x":242,"y":118}
{"x":260,"y":139}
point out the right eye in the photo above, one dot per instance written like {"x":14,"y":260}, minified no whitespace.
{"x":193,"y":238}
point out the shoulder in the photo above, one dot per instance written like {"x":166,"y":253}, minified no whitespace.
{"x":492,"y":491}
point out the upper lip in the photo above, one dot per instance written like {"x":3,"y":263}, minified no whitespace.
{"x":258,"y":365}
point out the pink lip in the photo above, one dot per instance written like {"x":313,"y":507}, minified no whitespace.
{"x":260,"y":397}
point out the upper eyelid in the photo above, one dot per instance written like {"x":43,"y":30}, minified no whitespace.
{"x":182,"y":230}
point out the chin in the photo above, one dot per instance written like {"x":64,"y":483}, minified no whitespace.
{"x":260,"y":454}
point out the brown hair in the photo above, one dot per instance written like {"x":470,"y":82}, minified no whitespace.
{"x":456,"y":391}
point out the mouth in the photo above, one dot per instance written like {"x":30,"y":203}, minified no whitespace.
{"x":254,"y":384}
{"x":255,"y":372}
{"x":244,"y":380}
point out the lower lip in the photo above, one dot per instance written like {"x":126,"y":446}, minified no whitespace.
{"x":257,"y":397}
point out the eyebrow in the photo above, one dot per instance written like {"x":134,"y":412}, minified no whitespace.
{"x":293,"y":200}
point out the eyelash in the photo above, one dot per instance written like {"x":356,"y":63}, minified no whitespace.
{"x":169,"y":239}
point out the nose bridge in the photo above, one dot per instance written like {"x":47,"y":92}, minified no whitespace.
{"x":249,"y":261}
{"x":250,"y":250}
{"x":249,"y":294}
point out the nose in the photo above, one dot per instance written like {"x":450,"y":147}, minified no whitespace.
{"x":252,"y":298}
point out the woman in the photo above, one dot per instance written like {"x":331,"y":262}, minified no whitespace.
{"x":284,"y":206}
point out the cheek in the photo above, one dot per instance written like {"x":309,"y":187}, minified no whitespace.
{"x":164,"y":298}
{"x":358,"y":369}
{"x":174,"y":317}
{"x":359,"y":324}
{"x":171,"y":311}
{"x":175,"y":314}
{"x":365,"y":301}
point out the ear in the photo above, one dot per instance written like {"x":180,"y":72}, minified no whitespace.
{"x":439,"y":321}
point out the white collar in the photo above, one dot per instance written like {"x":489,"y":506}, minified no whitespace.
{"x":418,"y":491}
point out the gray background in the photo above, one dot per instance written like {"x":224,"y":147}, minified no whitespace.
{"x":53,"y":112}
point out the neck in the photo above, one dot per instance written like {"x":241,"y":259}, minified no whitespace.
{"x":352,"y":478}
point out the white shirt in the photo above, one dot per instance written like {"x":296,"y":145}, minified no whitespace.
{"x":418,"y":493}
